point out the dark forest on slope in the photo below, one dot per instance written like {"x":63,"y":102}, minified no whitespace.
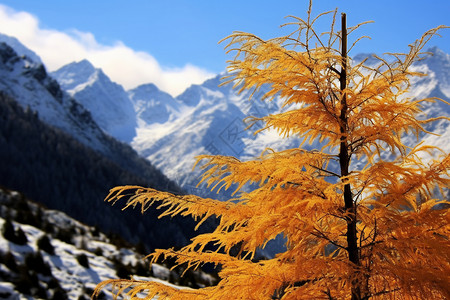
{"x":54,"y":169}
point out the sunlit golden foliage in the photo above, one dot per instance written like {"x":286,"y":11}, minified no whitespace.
{"x":399,"y":206}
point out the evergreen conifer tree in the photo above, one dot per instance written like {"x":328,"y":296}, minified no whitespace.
{"x":380,"y":231}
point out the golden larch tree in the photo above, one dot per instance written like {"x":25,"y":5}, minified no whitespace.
{"x":376,"y":232}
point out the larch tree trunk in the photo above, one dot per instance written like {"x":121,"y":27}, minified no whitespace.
{"x":344,"y":160}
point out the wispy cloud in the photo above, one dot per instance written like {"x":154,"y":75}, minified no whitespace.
{"x":122,"y":64}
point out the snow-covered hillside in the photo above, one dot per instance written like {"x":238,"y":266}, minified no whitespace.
{"x":44,"y":254}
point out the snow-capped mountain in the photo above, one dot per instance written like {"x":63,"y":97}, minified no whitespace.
{"x":210,"y":122}
{"x":208,"y":119}
{"x":214,"y":123}
{"x":107,"y":101}
{"x":436,"y":84}
{"x":171,"y":132}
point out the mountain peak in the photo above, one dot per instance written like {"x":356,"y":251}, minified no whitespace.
{"x":74,"y":73}
{"x":107,"y":101}
{"x":153,"y":105}
{"x":149,"y":88}
{"x":83,"y":64}
{"x":439,"y":56}
{"x":370,"y":59}
{"x":436,"y":50}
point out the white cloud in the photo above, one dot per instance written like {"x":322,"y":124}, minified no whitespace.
{"x":122,"y":64}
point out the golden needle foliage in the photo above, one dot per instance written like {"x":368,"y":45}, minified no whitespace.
{"x":401,"y":247}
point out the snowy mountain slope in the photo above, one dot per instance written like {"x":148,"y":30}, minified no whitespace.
{"x":188,"y":137}
{"x":439,"y":65}
{"x":214,"y":124}
{"x":20,"y":49}
{"x":436,"y":84}
{"x":107,"y":101}
{"x":28,"y":82}
{"x":61,"y":258}
{"x":209,"y":122}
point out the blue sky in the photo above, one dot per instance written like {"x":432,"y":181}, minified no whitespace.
{"x":180,"y":38}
